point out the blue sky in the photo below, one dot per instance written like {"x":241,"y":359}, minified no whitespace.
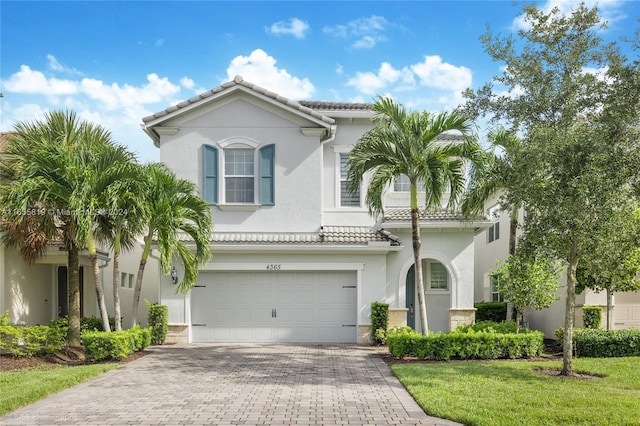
{"x":116,"y":62}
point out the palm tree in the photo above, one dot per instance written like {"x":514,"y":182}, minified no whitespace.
{"x":39,"y":176}
{"x":495,"y":176}
{"x":174,"y":207}
{"x":406,"y":143}
{"x":122,"y":225}
{"x":107,"y":170}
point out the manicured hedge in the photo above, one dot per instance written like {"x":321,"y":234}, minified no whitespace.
{"x":602,"y":343}
{"x":158,"y":319}
{"x":491,"y":311}
{"x":591,"y":316}
{"x":379,"y":322}
{"x":117,"y":345}
{"x":86,"y":324}
{"x":30,"y":341}
{"x":465,"y":344}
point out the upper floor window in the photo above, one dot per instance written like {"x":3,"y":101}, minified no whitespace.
{"x":493,"y":233}
{"x":402,"y":184}
{"x":242,"y":182}
{"x":239,"y":176}
{"x":347,"y":199}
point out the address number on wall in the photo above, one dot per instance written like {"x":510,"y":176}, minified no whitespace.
{"x":274,"y":267}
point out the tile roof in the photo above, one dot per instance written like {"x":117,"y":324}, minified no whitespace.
{"x":239,"y":81}
{"x":344,"y":235}
{"x":403,"y":214}
{"x":336,"y":106}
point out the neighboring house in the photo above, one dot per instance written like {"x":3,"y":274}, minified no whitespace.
{"x":37,"y":293}
{"x":493,"y":245}
{"x":296,"y":258}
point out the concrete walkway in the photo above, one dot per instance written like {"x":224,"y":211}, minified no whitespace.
{"x":239,"y":385}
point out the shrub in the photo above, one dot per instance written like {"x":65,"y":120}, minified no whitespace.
{"x":401,"y":341}
{"x":597,"y":343}
{"x":379,"y":321}
{"x":592,"y":316}
{"x":497,"y":327}
{"x":30,"y":341}
{"x":491,"y":311}
{"x":86,"y":324}
{"x":117,"y":345}
{"x":158,"y":322}
{"x":466,"y":344}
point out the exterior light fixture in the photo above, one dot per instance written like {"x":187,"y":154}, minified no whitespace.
{"x":174,"y":275}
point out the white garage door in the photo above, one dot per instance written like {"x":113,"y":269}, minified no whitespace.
{"x":314,"y":307}
{"x":626,"y":312}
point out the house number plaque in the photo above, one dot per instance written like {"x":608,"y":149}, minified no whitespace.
{"x":274,"y":267}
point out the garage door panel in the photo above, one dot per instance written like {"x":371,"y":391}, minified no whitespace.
{"x":275,"y":306}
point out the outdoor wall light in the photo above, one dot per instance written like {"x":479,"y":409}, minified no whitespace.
{"x":174,"y":275}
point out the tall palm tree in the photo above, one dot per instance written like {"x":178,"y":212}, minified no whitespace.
{"x":39,"y":175}
{"x":174,"y":208}
{"x":107,"y":169}
{"x":494,"y":177}
{"x":122,"y":225}
{"x":406,"y":143}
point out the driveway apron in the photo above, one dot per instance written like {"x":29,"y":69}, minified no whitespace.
{"x":229,"y":384}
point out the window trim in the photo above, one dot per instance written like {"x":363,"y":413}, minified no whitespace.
{"x":426,"y":277}
{"x":339,"y":152}
{"x":493,"y":291}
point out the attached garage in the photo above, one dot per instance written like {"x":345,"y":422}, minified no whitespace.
{"x":626,"y":312}
{"x":275,"y":306}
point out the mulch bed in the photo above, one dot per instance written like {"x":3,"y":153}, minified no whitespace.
{"x":68,"y":356}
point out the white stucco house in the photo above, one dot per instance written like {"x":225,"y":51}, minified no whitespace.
{"x":493,"y":245}
{"x":296,"y":258}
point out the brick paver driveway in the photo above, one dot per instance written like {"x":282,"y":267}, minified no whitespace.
{"x":236,"y":384}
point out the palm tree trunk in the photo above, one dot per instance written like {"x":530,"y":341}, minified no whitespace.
{"x":97,"y":279}
{"x":116,"y":287}
{"x":138,"y":288}
{"x":73,"y":282}
{"x":417,"y":244}
{"x":567,"y":344}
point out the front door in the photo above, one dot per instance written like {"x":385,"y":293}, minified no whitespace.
{"x":63,"y":291}
{"x":411,"y":297}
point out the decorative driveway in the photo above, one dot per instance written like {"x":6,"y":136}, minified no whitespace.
{"x":229,"y":384}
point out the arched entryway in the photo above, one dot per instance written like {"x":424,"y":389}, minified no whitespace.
{"x":437,"y":284}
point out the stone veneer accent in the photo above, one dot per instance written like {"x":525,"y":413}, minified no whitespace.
{"x":398,"y":317}
{"x":364,"y":334}
{"x":178,"y":333}
{"x":461,"y":317}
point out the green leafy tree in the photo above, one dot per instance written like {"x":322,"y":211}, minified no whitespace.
{"x":612,"y":263}
{"x":174,"y":208}
{"x":406,"y":143}
{"x":579,"y":132}
{"x":529,"y":282}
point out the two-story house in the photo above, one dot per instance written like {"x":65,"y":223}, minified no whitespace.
{"x":296,"y":257}
{"x":493,"y":245}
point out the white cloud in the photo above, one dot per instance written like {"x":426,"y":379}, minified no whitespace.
{"x":441,"y":75}
{"x":35,"y":82}
{"x":55,"y":65}
{"x":187,"y":83}
{"x":260,"y":68}
{"x":295,"y":27}
{"x":367,"y":32}
{"x":159,"y":42}
{"x":371,"y":83}
{"x":114,"y":96}
{"x":609,"y":10}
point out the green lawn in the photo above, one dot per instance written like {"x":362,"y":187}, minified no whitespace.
{"x":21,"y":387}
{"x":513,"y":393}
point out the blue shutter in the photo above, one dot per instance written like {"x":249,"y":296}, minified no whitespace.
{"x":267,"y":169}
{"x":210,"y":174}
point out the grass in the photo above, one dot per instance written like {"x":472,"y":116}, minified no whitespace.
{"x":24,"y":386}
{"x":514,"y":393}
